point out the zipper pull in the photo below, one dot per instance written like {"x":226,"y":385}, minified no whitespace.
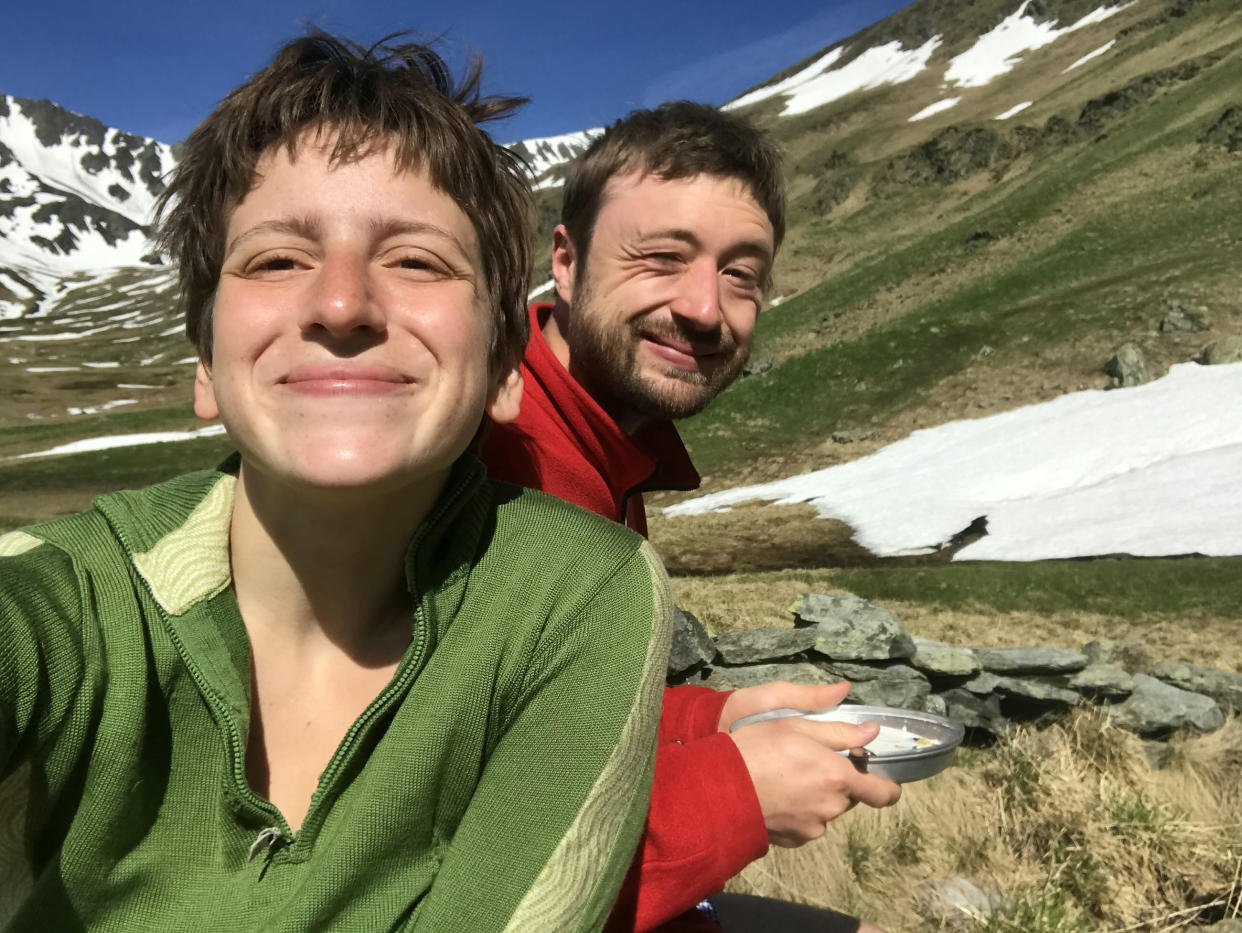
{"x":267,"y":839}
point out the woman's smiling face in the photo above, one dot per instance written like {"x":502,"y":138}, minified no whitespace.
{"x":350,"y":343}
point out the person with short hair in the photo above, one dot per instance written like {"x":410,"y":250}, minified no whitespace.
{"x":670,"y":224}
{"x":344,"y":681}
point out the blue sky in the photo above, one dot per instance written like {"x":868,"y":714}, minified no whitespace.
{"x":157,"y":68}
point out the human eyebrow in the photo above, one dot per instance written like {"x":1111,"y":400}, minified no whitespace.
{"x":382,"y":229}
{"x":303,"y":227}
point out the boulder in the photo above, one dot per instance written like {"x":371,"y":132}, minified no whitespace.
{"x":1128,"y":655}
{"x":935,"y":705}
{"x":738,"y":678}
{"x":758,"y":366}
{"x":982,"y":684}
{"x":890,"y":685}
{"x":692,"y":646}
{"x":1221,"y":686}
{"x":1102,"y":681}
{"x":1228,"y":350}
{"x":1128,"y":367}
{"x":751,"y":646}
{"x":1034,"y":660}
{"x":1040,"y":690}
{"x":1180,"y":319}
{"x":954,"y":904}
{"x":935,"y":657}
{"x":974,"y":712}
{"x":1156,"y":709}
{"x":1226,"y":131}
{"x":852,"y":629}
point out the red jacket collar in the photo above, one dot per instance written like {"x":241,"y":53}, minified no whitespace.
{"x":653,"y":458}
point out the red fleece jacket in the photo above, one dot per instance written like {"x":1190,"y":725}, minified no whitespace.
{"x":705,"y":824}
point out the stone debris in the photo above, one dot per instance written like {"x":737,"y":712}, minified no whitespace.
{"x":853,"y":629}
{"x":1156,"y":709}
{"x":692,"y":646}
{"x":839,"y":636}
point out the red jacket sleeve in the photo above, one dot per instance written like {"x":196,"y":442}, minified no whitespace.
{"x":705,"y":824}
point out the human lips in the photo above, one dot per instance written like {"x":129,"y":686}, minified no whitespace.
{"x":678,"y":351}
{"x":344,"y":379}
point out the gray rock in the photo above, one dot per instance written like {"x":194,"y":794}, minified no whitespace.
{"x":1030,"y":660}
{"x":1180,"y":319}
{"x":1156,"y":709}
{"x":974,"y":712}
{"x":982,"y":684}
{"x":750,"y":646}
{"x":1044,"y":691}
{"x":758,"y":366}
{"x":692,"y":646}
{"x":1228,"y":350}
{"x":853,"y":436}
{"x":935,"y":657}
{"x":1127,"y":367}
{"x":936,"y":705}
{"x":954,"y":904}
{"x":853,"y":629}
{"x":893,"y":685}
{"x":1221,"y":686}
{"x":738,"y":678}
{"x":1128,"y":655}
{"x":1099,"y":681}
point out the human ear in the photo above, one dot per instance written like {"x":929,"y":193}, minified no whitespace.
{"x":505,"y":400}
{"x":205,"y":393}
{"x":564,"y":264}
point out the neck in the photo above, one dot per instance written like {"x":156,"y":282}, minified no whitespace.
{"x":555,"y":334}
{"x":331,"y":568}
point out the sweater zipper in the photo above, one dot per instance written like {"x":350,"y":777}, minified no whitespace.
{"x":272,"y":836}
{"x":406,"y":675}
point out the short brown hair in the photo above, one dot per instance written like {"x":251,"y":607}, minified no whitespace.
{"x":679,"y":139}
{"x":396,"y":93}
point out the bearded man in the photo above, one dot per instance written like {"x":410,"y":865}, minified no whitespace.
{"x":669,"y":228}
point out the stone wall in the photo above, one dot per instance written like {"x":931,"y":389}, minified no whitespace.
{"x":842,"y":637}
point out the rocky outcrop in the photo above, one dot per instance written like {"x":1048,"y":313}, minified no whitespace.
{"x":1128,"y":367}
{"x":839,"y":636}
{"x":1228,"y":350}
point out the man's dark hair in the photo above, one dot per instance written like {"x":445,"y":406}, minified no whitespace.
{"x":679,"y":139}
{"x":395,"y":94}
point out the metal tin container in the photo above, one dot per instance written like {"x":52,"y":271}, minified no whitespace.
{"x":938,"y":738}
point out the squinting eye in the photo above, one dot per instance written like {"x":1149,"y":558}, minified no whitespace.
{"x":279,"y":264}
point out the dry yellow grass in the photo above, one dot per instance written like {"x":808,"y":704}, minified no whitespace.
{"x":1070,"y":827}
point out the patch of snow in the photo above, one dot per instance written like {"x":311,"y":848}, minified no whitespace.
{"x":542,"y":289}
{"x":124,"y":440}
{"x":1146,"y":471}
{"x":53,"y":369}
{"x":1090,"y":55}
{"x":547,"y":183}
{"x":105,"y":364}
{"x":96,"y":409}
{"x":542,"y":153}
{"x":819,"y":83}
{"x":933,"y":109}
{"x":999,"y":50}
{"x":1013,"y":111}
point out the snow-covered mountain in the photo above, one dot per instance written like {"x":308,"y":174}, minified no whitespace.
{"x":75,"y":196}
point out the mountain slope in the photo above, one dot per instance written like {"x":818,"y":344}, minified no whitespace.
{"x":942,"y":261}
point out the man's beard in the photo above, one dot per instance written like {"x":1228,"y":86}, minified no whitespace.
{"x":605,"y":358}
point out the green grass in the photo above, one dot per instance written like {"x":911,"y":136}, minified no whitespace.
{"x":1134,"y":588}
{"x":1103,"y":276}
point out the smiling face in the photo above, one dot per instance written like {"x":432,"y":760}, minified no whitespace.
{"x":350,"y":326}
{"x":664,"y":305}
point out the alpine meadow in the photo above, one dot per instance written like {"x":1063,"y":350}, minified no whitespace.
{"x":1003,"y":215}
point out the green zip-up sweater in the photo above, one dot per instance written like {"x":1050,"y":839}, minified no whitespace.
{"x":499,"y":782}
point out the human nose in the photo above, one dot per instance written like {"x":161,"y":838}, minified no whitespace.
{"x":343,"y":302}
{"x":698,"y":297}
